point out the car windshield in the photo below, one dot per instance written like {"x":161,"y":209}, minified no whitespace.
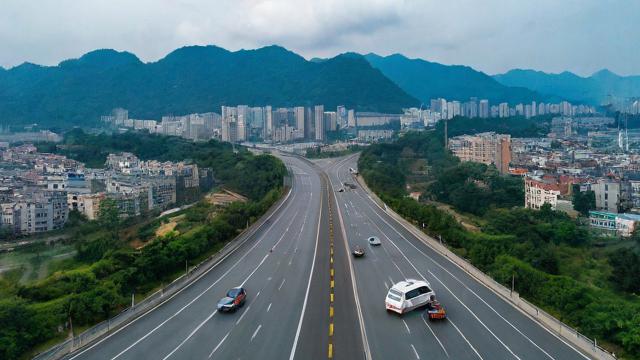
{"x":394,"y":295}
{"x":233,"y":293}
{"x":225,"y":301}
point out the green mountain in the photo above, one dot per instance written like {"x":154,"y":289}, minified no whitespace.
{"x":429,"y":80}
{"x":596,"y":89}
{"x":190,"y":79}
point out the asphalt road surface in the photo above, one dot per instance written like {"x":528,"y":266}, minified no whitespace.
{"x":480,"y":324}
{"x":285,"y":269}
{"x":309,"y":299}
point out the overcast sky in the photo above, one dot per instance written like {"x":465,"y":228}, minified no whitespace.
{"x":582,"y":36}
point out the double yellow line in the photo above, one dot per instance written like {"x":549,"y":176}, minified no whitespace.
{"x":332,"y":280}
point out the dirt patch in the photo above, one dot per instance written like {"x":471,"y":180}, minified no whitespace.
{"x":462,"y":220}
{"x":166,"y":228}
{"x":225,"y":197}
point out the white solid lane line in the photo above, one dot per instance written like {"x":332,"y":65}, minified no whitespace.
{"x":480,"y":298}
{"x":243,"y":283}
{"x":306,"y":296}
{"x":442,"y":283}
{"x":187,"y":286}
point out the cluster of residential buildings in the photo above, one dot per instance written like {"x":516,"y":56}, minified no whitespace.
{"x":585,"y":154}
{"x":473,"y":108}
{"x":37,"y":190}
{"x":264,"y":123}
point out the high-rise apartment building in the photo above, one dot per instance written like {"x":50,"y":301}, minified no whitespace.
{"x":483,"y":110}
{"x":487,"y":148}
{"x":319,"y":122}
{"x":268,"y":114}
{"x":351,"y":118}
{"x":300,"y":118}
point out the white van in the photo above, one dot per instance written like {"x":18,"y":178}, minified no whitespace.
{"x":408,"y":295}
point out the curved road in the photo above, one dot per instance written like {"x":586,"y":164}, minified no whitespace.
{"x":309,"y":299}
{"x":284,"y":317}
{"x":480,"y":324}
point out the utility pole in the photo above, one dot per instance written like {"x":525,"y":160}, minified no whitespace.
{"x":513,"y":282}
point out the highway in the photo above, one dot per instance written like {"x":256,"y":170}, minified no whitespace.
{"x":284,"y":317}
{"x":480,"y":324}
{"x":308,"y":298}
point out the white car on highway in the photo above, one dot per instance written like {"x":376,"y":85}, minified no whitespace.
{"x":408,"y":295}
{"x":374,"y":241}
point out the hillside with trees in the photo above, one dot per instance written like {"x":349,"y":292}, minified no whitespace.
{"x":551,"y":257}
{"x":116,"y":257}
{"x":189,"y":80}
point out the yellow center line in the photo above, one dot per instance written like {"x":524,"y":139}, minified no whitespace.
{"x":330,"y":311}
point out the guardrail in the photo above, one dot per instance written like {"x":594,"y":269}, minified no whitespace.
{"x":129,"y":314}
{"x":555,"y":326}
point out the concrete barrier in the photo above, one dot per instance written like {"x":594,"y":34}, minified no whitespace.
{"x":553,"y":325}
{"x":97,"y":332}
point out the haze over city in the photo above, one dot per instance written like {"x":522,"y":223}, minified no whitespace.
{"x":492,"y":36}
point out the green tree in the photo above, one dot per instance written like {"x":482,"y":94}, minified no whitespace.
{"x":626,"y":267}
{"x":583,"y":201}
{"x":108,"y":215}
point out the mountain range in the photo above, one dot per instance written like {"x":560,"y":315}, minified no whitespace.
{"x":203,"y":78}
{"x":190,"y":79}
{"x":596,"y":89}
{"x":428,"y":80}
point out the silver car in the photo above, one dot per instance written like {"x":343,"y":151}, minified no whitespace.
{"x":374,"y":241}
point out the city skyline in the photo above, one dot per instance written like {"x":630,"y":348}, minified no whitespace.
{"x":490,"y":37}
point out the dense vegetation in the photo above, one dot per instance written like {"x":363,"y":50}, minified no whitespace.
{"x":316,"y":153}
{"x":188,"y":80}
{"x":229,"y":167}
{"x":516,"y":126}
{"x":116,"y":257}
{"x":544,"y":249}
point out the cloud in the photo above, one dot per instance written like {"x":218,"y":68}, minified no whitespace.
{"x":491,"y":35}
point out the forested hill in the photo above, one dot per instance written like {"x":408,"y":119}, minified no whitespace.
{"x":190,"y":79}
{"x":429,"y":80}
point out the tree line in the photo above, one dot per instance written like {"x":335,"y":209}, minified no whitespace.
{"x":513,"y":241}
{"x":107,"y":269}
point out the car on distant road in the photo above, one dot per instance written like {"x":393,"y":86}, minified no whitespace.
{"x":341,"y":190}
{"x":374,"y":241}
{"x":350,"y":185}
{"x":235,"y":299}
{"x":408,"y":295}
{"x":358,"y":251}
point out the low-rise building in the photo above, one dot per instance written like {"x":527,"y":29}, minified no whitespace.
{"x":87,"y":204}
{"x":538,"y":192}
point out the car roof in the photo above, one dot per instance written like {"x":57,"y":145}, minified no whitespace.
{"x":409,"y":284}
